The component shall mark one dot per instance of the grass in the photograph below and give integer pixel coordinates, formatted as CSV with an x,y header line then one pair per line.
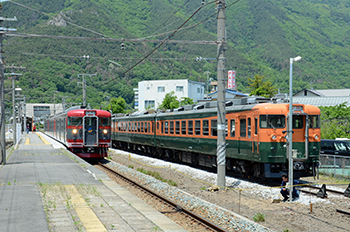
x,y
259,217
157,176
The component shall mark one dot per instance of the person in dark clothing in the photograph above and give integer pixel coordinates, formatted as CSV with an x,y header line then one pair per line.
x,y
285,189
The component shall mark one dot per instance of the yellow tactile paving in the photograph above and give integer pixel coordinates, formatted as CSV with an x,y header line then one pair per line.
x,y
27,141
87,216
42,138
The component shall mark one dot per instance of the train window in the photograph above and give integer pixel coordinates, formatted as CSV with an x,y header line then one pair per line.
x,y
146,127
162,128
190,127
205,127
75,121
171,127
166,127
297,122
130,129
104,121
226,128
183,127
272,121
233,128
138,127
243,127
249,127
214,130
314,121
157,125
177,127
197,127
141,126
256,125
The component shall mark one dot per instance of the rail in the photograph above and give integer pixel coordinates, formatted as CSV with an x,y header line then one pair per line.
x,y
178,208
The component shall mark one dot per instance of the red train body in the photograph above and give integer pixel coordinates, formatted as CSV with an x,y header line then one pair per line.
x,y
85,132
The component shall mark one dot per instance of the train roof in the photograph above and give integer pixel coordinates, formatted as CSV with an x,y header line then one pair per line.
x,y
277,105
83,112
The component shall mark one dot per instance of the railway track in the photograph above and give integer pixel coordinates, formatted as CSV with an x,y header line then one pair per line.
x,y
185,218
319,188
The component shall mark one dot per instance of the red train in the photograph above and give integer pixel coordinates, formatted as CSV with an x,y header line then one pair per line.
x,y
85,132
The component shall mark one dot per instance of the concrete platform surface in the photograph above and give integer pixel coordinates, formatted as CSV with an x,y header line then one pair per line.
x,y
44,187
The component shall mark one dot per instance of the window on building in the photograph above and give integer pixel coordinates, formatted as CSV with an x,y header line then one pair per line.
x,y
177,127
149,104
161,89
205,127
197,127
190,127
183,127
148,88
243,127
179,88
198,90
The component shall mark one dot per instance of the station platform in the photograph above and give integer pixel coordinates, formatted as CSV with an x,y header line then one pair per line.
x,y
44,187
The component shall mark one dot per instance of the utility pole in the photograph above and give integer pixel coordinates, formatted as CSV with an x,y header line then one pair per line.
x,y
54,102
14,121
221,114
84,85
3,31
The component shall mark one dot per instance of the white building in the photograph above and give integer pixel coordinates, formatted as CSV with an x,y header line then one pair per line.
x,y
150,94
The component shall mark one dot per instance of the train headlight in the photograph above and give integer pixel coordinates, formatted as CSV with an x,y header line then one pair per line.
x,y
105,131
75,131
273,137
316,136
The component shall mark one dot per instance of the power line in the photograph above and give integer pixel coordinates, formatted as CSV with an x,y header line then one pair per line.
x,y
108,39
158,46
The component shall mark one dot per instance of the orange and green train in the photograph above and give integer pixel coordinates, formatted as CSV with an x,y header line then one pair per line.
x,y
256,138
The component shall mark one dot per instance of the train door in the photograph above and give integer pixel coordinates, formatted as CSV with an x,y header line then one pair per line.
x,y
90,127
255,145
299,129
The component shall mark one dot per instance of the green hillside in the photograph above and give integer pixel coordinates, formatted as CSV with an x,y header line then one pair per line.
x,y
261,35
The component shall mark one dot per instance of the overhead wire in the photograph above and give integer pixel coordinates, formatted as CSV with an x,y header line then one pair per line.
x,y
162,24
159,45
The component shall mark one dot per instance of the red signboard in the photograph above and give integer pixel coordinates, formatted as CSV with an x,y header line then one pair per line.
x,y
231,79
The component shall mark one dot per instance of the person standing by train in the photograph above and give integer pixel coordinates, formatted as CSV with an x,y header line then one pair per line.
x,y
27,128
285,189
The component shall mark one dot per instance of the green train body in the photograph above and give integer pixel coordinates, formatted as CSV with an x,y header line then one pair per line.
x,y
256,142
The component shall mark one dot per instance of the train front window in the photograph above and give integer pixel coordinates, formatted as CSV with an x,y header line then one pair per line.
x,y
298,122
272,121
104,121
314,121
75,121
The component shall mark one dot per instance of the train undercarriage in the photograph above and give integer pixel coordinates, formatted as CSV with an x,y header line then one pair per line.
x,y
243,167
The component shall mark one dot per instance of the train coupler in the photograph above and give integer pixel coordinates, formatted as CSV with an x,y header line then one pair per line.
x,y
347,191
322,192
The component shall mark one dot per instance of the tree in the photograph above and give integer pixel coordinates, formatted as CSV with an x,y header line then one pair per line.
x,y
260,88
186,101
169,102
117,105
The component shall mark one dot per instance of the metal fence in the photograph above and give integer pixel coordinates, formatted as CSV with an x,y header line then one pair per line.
x,y
335,165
